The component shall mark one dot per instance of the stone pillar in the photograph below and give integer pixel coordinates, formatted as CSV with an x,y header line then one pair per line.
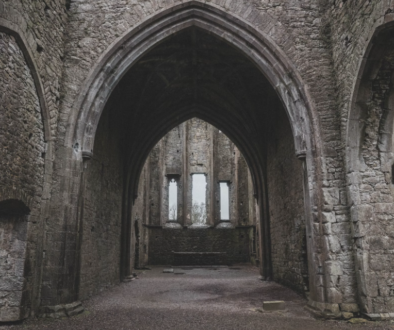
x,y
211,176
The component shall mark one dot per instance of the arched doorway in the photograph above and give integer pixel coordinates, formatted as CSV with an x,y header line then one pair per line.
x,y
194,73
370,171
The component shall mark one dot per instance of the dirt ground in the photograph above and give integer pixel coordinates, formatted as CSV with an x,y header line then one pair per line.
x,y
194,298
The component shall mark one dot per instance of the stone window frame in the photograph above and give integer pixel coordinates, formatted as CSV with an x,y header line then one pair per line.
x,y
176,178
207,193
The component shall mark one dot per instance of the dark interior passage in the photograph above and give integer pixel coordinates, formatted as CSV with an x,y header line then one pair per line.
x,y
193,106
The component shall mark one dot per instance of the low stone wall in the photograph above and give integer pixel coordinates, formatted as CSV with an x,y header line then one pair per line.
x,y
206,246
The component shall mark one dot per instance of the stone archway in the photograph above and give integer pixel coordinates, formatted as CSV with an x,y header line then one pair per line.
x,y
260,51
370,170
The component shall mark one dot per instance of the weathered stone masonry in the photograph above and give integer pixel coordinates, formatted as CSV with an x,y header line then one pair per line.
x,y
22,168
89,88
211,152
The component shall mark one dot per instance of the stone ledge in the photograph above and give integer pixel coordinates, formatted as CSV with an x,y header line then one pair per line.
x,y
380,316
60,311
198,253
271,306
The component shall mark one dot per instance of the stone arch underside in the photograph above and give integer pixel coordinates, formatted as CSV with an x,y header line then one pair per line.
x,y
369,166
254,45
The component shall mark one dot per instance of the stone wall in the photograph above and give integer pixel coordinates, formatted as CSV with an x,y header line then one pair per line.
x,y
14,297
229,246
286,209
38,27
195,147
102,212
140,235
363,94
22,154
295,27
324,42
21,128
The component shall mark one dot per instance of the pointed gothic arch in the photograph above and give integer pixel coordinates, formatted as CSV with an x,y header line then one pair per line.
x,y
257,47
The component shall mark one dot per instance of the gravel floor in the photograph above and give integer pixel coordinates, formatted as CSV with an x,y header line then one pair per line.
x,y
200,298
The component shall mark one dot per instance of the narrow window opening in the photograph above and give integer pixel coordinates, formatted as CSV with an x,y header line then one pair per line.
x,y
224,201
199,214
173,201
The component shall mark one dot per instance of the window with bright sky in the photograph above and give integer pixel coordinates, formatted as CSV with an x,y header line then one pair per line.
x,y
224,201
199,199
173,200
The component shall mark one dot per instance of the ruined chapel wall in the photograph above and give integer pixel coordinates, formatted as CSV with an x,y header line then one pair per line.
x,y
140,219
207,151
39,29
286,210
370,198
21,177
173,149
21,128
224,160
102,212
155,185
42,24
294,26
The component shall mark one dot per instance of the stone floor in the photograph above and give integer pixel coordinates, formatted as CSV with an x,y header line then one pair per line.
x,y
194,298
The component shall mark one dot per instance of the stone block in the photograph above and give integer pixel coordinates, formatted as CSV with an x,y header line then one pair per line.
x,y
10,314
73,305
327,229
333,243
334,296
334,268
168,270
373,316
341,228
384,208
347,315
357,321
271,306
75,311
331,196
349,307
328,217
361,213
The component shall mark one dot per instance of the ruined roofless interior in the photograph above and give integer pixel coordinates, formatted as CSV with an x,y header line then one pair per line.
x,y
167,132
